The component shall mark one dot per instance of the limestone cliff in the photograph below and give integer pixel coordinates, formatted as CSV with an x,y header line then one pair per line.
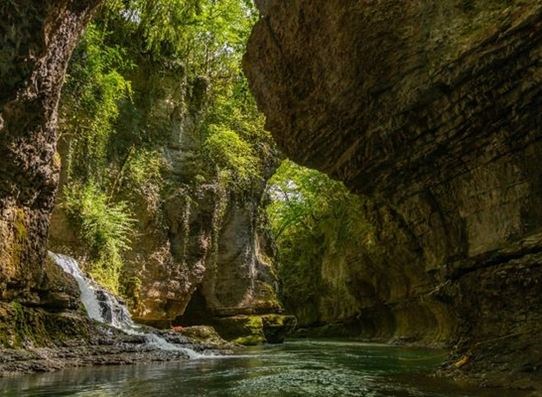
x,y
37,38
212,236
433,110
379,290
199,243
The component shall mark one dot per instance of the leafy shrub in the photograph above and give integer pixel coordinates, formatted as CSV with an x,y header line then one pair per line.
x,y
144,167
94,89
105,227
228,151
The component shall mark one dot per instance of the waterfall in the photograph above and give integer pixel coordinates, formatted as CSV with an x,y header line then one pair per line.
x,y
106,308
88,297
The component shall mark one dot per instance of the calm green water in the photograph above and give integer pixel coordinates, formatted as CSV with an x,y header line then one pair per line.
x,y
304,368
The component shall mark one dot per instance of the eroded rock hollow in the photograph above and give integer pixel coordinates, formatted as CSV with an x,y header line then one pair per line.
x,y
432,110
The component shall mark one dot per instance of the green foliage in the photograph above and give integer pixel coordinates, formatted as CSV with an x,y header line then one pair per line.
x,y
208,35
230,152
142,69
95,86
308,201
143,171
105,227
312,217
202,41
90,108
236,143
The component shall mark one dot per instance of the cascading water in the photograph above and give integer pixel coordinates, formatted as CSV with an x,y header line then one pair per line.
x,y
88,297
105,307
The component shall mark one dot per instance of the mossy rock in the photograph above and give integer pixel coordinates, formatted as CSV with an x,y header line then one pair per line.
x,y
255,329
277,326
243,330
202,334
251,340
22,326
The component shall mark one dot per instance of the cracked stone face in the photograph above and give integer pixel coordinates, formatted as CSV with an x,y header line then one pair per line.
x,y
37,38
432,111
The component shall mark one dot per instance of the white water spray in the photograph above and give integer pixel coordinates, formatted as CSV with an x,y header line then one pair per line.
x,y
105,307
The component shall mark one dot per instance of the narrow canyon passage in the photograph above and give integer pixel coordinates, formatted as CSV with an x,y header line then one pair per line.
x,y
158,150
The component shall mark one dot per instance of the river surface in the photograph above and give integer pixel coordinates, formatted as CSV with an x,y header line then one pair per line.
x,y
296,368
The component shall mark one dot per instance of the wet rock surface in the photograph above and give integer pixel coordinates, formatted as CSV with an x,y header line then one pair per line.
x,y
255,329
108,346
432,111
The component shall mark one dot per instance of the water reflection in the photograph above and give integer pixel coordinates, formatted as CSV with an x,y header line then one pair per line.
x,y
304,368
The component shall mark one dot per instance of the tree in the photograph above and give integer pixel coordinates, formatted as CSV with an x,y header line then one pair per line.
x,y
312,216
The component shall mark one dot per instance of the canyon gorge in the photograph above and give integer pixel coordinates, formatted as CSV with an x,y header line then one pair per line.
x,y
428,112
432,111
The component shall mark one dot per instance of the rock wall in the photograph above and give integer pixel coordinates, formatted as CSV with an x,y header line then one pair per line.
x,y
204,236
37,38
380,291
433,110
241,278
219,255
194,236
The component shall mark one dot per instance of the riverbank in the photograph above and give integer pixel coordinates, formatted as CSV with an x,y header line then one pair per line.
x,y
295,368
111,347
459,364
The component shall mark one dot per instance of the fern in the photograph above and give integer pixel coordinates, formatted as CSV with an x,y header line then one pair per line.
x,y
105,227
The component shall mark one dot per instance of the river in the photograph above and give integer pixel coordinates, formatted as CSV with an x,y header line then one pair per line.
x,y
296,368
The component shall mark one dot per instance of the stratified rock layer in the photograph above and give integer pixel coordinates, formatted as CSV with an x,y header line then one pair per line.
x,y
433,110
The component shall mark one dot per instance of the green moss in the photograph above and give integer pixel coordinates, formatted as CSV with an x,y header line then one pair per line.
x,y
20,234
203,334
254,322
251,340
241,329
20,225
21,326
